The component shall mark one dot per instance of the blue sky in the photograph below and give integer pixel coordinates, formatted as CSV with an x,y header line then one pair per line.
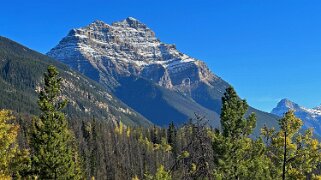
x,y
267,49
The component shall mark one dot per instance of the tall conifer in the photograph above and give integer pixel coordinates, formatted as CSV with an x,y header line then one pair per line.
x,y
54,154
236,155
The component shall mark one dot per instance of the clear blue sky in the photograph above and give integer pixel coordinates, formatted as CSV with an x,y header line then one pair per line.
x,y
267,49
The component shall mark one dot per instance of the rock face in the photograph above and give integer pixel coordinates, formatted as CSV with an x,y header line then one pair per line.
x,y
106,52
310,117
129,59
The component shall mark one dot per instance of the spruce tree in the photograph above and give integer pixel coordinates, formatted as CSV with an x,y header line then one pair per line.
x,y
54,154
171,137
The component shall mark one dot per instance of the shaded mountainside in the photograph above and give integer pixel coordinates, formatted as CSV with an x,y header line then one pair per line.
x,y
152,77
310,117
21,74
158,103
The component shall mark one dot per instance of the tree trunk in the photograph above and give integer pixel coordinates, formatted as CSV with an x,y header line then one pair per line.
x,y
284,156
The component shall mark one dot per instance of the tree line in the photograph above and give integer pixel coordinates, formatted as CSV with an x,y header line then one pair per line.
x,y
50,147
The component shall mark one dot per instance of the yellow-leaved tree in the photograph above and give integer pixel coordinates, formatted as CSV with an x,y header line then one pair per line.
x,y
8,146
13,162
295,155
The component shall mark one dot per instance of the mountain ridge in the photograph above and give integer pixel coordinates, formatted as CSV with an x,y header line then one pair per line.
x,y
132,48
311,117
21,72
118,54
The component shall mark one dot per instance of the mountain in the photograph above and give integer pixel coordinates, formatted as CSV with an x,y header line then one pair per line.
x,y
21,74
310,117
152,77
106,52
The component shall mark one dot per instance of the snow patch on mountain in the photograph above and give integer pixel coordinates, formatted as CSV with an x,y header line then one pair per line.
x,y
128,47
310,117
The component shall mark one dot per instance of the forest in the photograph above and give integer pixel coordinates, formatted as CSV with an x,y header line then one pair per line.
x,y
51,146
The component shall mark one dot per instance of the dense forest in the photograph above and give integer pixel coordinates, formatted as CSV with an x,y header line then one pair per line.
x,y
50,146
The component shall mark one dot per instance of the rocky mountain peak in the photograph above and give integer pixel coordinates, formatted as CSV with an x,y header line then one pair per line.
x,y
129,47
310,117
98,22
130,22
318,108
288,104
284,106
152,77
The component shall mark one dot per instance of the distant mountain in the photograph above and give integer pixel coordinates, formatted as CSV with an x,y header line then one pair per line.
x,y
310,117
152,77
21,74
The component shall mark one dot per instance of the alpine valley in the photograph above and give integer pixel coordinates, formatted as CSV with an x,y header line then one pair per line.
x,y
113,102
152,77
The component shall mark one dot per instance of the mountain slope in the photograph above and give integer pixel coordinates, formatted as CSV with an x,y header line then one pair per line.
x,y
127,55
159,104
21,73
310,117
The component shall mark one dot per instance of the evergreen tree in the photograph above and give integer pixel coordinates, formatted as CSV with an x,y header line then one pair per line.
x,y
93,148
232,116
54,153
235,154
171,137
154,135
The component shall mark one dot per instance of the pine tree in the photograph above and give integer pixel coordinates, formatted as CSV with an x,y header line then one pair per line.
x,y
235,154
232,116
54,153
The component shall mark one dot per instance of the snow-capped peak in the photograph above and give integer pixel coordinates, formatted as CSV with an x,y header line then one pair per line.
x,y
97,21
288,104
130,22
285,105
129,47
318,108
128,40
310,117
